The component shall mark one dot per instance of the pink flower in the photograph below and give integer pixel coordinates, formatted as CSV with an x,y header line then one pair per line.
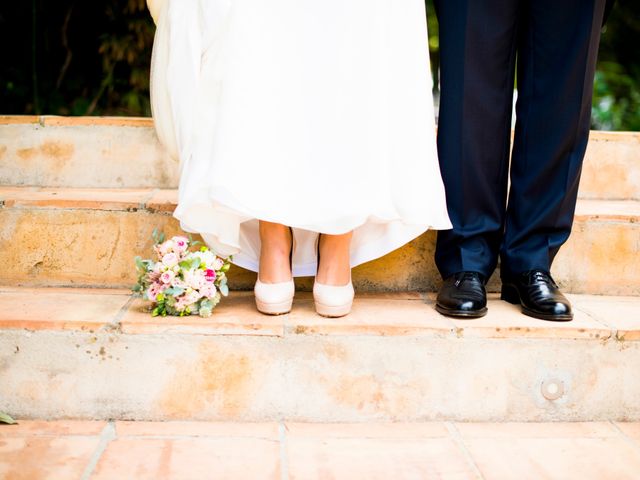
x,y
170,259
180,244
209,290
210,275
167,277
153,291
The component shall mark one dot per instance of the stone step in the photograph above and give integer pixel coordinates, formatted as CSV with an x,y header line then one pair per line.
x,y
97,354
113,152
96,450
100,152
88,237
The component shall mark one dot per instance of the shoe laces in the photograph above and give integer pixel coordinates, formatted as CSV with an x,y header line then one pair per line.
x,y
464,276
540,276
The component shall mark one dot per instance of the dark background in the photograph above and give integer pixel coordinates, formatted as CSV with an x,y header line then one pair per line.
x,y
91,57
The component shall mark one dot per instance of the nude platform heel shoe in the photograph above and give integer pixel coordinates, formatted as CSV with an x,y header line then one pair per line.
x,y
333,300
276,298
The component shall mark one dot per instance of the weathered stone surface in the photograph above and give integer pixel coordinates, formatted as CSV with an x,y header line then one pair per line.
x,y
111,152
611,168
90,237
83,152
380,363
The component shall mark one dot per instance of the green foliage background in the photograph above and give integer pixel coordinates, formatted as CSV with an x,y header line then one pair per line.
x,y
73,57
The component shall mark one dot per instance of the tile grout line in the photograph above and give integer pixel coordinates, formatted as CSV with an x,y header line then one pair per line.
x,y
144,203
612,329
626,438
115,321
106,436
459,442
284,455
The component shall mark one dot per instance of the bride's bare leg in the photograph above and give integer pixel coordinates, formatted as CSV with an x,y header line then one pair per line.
x,y
274,252
334,268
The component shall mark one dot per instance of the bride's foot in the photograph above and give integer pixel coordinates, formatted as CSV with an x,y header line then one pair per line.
x,y
274,289
333,291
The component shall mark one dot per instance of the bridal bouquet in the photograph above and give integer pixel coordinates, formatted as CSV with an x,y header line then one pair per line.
x,y
182,282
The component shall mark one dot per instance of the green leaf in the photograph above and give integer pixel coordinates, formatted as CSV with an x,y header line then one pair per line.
x,y
6,418
224,289
158,237
206,304
175,291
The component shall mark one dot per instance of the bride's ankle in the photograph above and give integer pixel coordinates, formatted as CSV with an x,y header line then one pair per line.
x,y
334,267
275,252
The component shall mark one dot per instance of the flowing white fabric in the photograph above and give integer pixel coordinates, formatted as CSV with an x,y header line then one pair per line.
x,y
316,115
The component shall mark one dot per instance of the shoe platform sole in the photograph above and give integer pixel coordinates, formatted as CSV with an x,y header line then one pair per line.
x,y
274,308
333,311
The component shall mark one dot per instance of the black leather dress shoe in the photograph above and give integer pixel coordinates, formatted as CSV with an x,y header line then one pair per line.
x,y
463,295
538,295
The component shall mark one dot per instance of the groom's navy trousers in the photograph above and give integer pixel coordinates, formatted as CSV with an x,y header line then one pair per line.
x,y
552,44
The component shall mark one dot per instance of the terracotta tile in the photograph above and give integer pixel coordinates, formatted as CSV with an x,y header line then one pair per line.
x,y
198,429
350,459
61,309
235,315
561,458
371,315
164,200
81,198
189,458
367,430
621,313
52,120
536,430
506,321
31,458
631,429
18,119
28,428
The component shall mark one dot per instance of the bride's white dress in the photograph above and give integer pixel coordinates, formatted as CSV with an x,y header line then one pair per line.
x,y
313,114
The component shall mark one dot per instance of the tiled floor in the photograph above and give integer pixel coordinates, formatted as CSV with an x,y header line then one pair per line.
x,y
36,450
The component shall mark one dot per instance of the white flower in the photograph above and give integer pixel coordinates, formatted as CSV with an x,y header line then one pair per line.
x,y
195,278
205,257
170,259
217,263
192,297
